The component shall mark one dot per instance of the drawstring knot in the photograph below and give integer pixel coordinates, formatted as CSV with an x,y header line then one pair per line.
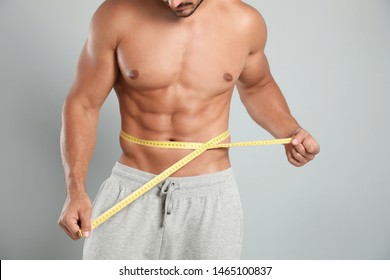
x,y
167,189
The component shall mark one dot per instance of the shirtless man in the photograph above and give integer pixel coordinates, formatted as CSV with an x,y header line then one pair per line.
x,y
173,65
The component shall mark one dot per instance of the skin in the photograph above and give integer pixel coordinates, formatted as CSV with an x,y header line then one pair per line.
x,y
173,65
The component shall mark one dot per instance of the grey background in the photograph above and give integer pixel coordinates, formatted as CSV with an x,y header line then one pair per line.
x,y
330,58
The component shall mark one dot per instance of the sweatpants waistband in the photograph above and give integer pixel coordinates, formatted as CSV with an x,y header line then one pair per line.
x,y
205,183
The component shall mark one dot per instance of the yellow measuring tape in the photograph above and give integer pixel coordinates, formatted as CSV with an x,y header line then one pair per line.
x,y
199,148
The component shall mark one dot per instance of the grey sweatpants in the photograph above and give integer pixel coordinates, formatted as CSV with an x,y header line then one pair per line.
x,y
197,217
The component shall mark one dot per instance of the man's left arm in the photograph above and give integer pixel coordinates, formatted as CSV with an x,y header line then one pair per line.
x,y
266,104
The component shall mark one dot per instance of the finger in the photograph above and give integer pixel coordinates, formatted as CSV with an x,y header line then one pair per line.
x,y
74,228
62,224
292,160
298,157
298,138
300,149
85,219
308,147
68,232
311,146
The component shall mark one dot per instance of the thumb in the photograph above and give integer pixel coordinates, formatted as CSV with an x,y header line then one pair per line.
x,y
298,137
85,220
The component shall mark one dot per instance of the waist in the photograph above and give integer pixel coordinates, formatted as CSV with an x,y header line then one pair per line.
x,y
127,173
153,156
130,179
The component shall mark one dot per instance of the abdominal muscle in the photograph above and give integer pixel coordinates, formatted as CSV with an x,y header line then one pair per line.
x,y
168,116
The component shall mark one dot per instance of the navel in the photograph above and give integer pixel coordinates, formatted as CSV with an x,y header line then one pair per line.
x,y
133,74
228,77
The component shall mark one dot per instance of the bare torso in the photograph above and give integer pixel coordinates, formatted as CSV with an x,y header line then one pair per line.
x,y
175,80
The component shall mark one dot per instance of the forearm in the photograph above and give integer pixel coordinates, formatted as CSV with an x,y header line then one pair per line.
x,y
78,138
267,107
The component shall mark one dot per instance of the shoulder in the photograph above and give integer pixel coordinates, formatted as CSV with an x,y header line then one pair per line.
x,y
111,17
111,12
251,23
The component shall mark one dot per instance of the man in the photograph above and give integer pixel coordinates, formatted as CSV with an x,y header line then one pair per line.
x,y
173,65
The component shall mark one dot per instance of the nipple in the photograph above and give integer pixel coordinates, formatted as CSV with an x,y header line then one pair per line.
x,y
228,77
133,74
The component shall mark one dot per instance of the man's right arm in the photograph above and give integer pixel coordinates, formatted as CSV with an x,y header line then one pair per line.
x,y
95,76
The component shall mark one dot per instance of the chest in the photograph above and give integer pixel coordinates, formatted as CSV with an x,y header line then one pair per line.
x,y
200,58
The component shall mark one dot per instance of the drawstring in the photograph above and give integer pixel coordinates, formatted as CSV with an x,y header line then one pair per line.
x,y
167,189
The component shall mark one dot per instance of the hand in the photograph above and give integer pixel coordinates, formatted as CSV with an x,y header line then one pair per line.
x,y
76,215
303,148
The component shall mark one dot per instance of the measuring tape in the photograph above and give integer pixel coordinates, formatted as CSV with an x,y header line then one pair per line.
x,y
199,148
195,145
